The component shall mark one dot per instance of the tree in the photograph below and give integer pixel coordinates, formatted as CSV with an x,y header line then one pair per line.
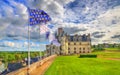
x,y
18,57
11,57
119,46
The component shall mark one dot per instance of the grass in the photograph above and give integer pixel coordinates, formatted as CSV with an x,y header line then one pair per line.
x,y
72,65
112,49
108,54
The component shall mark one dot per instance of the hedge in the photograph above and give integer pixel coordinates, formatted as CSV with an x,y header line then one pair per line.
x,y
88,56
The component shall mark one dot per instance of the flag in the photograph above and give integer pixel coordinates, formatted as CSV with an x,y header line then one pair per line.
x,y
55,42
50,26
38,16
47,34
44,29
51,37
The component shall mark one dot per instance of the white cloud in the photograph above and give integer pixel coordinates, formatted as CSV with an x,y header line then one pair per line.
x,y
7,44
104,23
14,23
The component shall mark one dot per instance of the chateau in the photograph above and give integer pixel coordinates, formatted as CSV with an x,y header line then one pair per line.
x,y
70,44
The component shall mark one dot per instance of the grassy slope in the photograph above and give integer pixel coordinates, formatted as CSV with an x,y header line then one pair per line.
x,y
72,65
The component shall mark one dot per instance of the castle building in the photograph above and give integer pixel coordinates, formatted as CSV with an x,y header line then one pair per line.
x,y
71,44
52,49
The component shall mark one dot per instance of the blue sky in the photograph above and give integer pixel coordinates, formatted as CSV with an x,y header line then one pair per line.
x,y
101,18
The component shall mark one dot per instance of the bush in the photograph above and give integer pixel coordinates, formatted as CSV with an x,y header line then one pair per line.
x,y
88,56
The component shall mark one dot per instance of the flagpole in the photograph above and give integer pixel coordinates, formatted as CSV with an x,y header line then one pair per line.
x,y
40,45
28,73
33,20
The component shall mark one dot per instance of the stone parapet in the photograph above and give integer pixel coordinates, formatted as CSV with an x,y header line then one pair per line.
x,y
24,71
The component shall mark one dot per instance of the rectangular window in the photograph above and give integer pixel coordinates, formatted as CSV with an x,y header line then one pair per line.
x,y
80,43
83,51
74,48
75,51
80,48
68,48
74,43
68,51
79,51
77,39
68,43
47,45
83,48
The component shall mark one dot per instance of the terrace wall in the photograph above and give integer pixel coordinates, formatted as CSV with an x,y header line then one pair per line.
x,y
24,71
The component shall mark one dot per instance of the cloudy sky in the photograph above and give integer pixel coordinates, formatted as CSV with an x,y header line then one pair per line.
x,y
100,18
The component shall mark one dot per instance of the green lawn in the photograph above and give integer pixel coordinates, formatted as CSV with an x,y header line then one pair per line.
x,y
112,49
108,54
72,65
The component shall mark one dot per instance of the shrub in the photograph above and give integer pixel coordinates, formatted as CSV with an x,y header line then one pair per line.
x,y
88,56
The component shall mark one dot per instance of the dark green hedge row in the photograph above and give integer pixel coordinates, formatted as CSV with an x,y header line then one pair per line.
x,y
88,56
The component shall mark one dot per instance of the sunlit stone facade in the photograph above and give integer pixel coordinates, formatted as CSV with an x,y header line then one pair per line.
x,y
72,44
